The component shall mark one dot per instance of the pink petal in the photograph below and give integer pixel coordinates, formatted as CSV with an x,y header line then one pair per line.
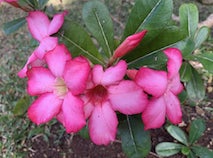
x,y
57,58
175,85
97,74
38,24
154,114
112,75
47,44
127,98
88,106
129,44
174,61
131,73
76,74
56,23
44,108
40,80
153,82
72,113
173,108
23,71
103,124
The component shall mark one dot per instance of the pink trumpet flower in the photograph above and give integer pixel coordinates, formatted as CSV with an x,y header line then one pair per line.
x,y
129,44
106,93
58,88
41,29
164,88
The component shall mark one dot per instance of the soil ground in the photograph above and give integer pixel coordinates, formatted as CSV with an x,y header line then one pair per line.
x,y
69,146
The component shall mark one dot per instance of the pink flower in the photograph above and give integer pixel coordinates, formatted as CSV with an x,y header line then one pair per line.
x,y
106,93
41,29
129,44
8,1
58,88
164,87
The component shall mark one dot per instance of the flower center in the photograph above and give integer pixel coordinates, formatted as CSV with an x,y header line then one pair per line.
x,y
98,94
60,88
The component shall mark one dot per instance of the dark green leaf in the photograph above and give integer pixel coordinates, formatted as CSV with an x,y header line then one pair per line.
x,y
168,148
136,142
98,21
150,15
202,152
189,18
178,134
21,106
207,61
201,36
79,42
195,87
13,25
154,60
191,155
84,132
185,72
197,128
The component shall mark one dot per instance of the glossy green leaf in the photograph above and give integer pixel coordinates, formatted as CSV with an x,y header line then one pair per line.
x,y
197,128
185,72
154,60
79,42
189,18
177,133
195,87
207,60
136,141
187,46
21,106
151,15
13,25
201,36
202,152
168,148
98,21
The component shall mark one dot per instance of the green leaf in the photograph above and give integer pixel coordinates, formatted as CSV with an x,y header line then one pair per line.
x,y
187,46
151,15
168,148
202,152
207,61
13,25
177,133
197,128
154,60
136,141
191,155
185,150
84,132
42,3
195,87
186,72
98,21
21,106
79,42
189,18
201,36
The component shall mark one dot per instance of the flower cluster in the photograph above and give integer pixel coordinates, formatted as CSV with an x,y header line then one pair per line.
x,y
78,93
